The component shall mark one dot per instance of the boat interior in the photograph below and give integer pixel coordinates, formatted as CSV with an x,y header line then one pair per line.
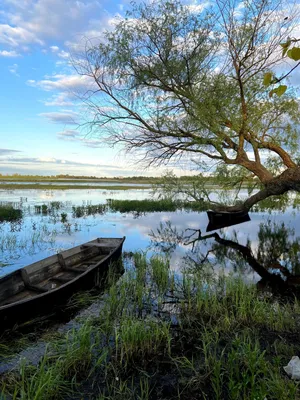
x,y
52,272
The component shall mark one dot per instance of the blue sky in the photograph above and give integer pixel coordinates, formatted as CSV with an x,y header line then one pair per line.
x,y
38,113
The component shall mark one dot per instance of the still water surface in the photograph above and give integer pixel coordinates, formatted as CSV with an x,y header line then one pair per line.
x,y
275,243
73,183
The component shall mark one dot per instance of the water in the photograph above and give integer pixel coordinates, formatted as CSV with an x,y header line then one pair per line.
x,y
38,236
273,237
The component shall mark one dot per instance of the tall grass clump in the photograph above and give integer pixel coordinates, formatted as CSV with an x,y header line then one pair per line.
x,y
9,213
160,269
136,339
151,205
75,351
44,382
81,211
147,205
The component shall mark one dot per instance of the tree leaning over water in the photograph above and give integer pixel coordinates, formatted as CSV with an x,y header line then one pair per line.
x,y
173,80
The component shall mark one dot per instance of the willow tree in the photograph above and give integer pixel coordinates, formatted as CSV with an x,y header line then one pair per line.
x,y
173,80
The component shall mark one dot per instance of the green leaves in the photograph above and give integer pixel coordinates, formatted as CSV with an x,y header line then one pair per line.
x,y
280,90
285,46
268,78
294,53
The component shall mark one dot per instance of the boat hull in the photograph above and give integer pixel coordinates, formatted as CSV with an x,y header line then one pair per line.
x,y
218,220
25,310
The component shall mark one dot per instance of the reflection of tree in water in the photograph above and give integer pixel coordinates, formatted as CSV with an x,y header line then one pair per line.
x,y
276,250
275,257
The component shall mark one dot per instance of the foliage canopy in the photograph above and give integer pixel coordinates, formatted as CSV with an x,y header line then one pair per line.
x,y
172,81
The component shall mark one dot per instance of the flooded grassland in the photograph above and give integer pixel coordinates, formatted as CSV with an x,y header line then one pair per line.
x,y
187,320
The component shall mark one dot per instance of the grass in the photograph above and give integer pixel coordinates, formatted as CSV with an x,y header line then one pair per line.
x,y
139,338
81,211
9,213
150,205
11,241
163,336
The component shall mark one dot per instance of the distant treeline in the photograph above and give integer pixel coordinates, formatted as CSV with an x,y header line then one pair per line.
x,y
146,179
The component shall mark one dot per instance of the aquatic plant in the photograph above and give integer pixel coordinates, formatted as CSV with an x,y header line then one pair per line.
x,y
151,205
9,213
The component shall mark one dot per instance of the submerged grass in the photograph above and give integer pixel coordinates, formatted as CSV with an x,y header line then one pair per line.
x,y
9,213
162,336
151,205
81,211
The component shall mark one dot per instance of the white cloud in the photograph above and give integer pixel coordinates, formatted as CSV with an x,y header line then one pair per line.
x,y
47,159
14,69
63,54
54,49
16,36
59,100
11,53
63,82
198,8
28,22
56,161
66,117
68,133
67,86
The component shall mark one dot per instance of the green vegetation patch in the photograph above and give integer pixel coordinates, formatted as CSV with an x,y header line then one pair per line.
x,y
163,336
142,206
8,213
81,211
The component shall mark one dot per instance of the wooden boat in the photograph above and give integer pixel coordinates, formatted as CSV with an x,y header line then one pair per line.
x,y
37,288
222,219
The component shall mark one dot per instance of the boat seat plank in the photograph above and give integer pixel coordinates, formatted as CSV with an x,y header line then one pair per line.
x,y
36,288
101,245
62,279
76,270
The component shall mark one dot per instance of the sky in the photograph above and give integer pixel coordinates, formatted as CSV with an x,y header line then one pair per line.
x,y
38,129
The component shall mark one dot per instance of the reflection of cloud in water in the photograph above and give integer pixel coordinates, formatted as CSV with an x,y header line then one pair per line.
x,y
136,230
76,196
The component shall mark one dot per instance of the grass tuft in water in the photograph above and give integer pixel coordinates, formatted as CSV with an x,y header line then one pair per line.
x,y
151,205
9,213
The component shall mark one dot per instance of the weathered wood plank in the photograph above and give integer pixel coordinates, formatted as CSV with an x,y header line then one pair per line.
x,y
37,288
62,279
101,245
11,285
76,270
61,260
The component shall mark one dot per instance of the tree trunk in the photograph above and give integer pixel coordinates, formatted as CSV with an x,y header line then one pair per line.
x,y
287,180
